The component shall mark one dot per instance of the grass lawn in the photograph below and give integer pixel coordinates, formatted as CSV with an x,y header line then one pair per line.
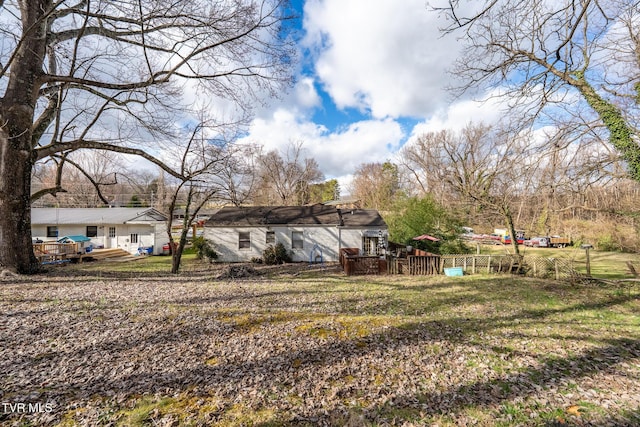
x,y
131,345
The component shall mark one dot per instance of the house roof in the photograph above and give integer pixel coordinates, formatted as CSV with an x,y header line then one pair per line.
x,y
274,215
362,218
294,215
94,216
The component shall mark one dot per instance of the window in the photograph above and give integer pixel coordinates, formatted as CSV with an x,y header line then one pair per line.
x,y
112,232
297,240
373,245
92,231
52,231
244,240
134,238
271,238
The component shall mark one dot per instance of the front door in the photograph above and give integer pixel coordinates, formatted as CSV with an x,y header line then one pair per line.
x,y
112,240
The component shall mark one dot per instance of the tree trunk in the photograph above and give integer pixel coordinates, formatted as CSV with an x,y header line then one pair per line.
x,y
16,162
17,157
512,231
176,256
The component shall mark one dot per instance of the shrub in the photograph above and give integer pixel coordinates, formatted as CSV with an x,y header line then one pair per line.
x,y
607,243
276,254
204,249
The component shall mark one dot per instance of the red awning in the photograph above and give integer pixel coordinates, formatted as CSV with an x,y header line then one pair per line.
x,y
427,237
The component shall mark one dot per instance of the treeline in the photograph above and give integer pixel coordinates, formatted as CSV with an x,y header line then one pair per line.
x,y
480,176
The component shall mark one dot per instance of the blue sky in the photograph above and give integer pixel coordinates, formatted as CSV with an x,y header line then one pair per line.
x,y
372,76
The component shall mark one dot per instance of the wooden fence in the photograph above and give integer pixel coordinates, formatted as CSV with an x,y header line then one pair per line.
x,y
352,263
473,264
556,268
364,265
431,264
414,265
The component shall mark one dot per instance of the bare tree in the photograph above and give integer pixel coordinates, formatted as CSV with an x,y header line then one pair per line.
x,y
104,75
236,177
78,179
284,177
547,54
211,171
375,185
478,165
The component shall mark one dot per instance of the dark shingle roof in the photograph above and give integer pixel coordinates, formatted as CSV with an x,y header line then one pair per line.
x,y
294,215
274,215
362,218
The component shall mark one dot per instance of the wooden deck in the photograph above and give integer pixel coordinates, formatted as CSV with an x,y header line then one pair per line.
x,y
422,264
56,253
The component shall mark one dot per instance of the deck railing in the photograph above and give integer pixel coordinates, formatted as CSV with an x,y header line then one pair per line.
x,y
54,252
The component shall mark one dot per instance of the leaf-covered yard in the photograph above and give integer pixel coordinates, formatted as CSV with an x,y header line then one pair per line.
x,y
300,346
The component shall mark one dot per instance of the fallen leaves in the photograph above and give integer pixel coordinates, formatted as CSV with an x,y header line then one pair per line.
x,y
180,350
574,410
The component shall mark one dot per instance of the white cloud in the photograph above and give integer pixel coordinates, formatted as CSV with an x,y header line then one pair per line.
x,y
306,94
338,153
379,56
459,115
387,60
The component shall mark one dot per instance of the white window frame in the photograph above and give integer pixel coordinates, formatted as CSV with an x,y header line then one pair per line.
x,y
270,238
244,240
297,243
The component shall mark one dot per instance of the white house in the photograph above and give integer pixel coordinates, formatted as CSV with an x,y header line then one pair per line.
x,y
126,228
309,232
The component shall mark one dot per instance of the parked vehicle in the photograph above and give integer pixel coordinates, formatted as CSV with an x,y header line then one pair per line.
x,y
548,242
506,239
560,242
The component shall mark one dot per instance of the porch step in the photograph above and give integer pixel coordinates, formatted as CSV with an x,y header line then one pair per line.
x,y
108,253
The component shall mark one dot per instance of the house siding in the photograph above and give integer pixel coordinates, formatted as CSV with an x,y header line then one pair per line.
x,y
147,223
148,235
226,242
325,230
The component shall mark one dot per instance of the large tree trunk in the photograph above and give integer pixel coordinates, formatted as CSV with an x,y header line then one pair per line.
x,y
17,156
16,250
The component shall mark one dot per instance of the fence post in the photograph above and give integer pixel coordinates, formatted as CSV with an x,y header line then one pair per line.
x,y
489,265
473,265
535,269
555,262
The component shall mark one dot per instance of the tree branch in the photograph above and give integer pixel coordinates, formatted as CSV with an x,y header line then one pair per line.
x,y
52,149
